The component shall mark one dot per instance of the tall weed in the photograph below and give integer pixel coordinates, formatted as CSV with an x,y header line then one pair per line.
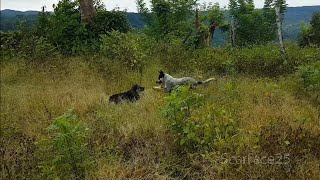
x,y
65,152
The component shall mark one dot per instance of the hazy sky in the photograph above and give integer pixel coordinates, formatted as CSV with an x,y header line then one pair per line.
x,y
130,5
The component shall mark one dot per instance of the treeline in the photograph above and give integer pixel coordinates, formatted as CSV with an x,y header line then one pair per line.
x,y
176,33
167,22
294,17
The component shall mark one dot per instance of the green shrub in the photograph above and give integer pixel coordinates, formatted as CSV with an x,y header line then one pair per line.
x,y
66,31
123,48
65,152
214,61
259,60
175,57
180,104
301,56
217,129
107,21
308,79
310,34
10,44
37,50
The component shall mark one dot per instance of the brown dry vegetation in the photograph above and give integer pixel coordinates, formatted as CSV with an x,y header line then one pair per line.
x,y
133,141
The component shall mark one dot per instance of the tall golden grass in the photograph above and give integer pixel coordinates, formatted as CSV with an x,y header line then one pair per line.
x,y
133,140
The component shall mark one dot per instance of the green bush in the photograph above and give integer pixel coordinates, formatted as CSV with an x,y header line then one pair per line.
x,y
180,104
65,152
70,36
217,129
65,29
107,21
175,57
10,43
37,50
310,34
308,79
259,60
124,48
214,61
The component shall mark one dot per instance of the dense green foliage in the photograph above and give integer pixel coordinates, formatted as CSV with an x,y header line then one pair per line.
x,y
310,35
69,155
215,131
293,18
167,18
125,48
308,80
64,31
107,21
246,18
258,60
36,50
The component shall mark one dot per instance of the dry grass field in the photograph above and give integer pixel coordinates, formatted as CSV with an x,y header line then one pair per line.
x,y
135,141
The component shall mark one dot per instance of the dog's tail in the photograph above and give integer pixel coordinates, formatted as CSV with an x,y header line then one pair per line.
x,y
206,81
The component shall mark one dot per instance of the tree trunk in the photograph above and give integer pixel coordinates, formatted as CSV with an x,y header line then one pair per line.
x,y
87,11
212,30
197,24
197,21
282,47
232,33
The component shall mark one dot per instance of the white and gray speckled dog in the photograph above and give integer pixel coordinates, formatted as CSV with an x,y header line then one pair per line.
x,y
168,82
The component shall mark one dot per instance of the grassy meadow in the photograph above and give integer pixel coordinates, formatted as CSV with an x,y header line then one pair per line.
x,y
263,127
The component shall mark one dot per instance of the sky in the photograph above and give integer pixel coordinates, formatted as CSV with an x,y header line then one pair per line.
x,y
129,5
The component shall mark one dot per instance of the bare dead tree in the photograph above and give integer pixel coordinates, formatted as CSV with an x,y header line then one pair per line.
x,y
279,23
87,11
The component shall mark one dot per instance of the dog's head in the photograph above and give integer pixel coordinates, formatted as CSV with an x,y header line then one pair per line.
x,y
160,77
137,88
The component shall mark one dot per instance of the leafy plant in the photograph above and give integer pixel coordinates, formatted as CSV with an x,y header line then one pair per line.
x,y
10,43
217,129
247,18
124,48
180,104
37,50
310,34
107,21
308,78
67,145
167,18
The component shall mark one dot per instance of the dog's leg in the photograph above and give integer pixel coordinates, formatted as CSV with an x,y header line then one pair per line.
x,y
158,88
193,86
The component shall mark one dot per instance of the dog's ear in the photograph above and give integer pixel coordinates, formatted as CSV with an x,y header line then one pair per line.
x,y
161,72
134,86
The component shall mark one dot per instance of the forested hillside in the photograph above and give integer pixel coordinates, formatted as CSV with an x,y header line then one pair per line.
x,y
292,23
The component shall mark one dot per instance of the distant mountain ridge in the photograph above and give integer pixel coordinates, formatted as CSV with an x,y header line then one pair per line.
x,y
8,13
293,19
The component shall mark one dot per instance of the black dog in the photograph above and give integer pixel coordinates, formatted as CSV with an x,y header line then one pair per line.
x,y
131,95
